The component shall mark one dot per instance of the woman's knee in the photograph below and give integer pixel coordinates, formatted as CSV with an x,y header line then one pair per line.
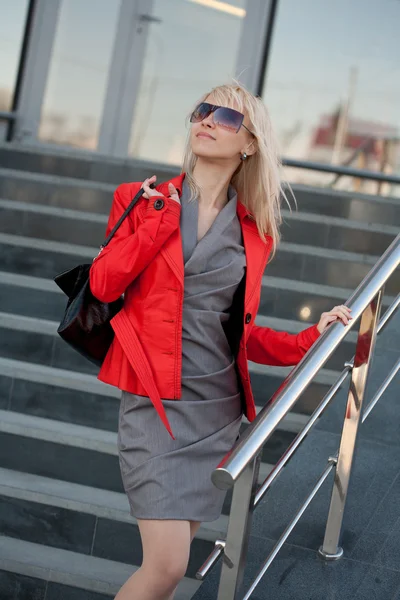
x,y
166,549
166,572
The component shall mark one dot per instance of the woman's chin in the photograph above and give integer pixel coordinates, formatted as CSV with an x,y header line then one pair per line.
x,y
204,153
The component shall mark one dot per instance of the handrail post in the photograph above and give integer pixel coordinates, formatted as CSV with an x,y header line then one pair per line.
x,y
237,539
330,550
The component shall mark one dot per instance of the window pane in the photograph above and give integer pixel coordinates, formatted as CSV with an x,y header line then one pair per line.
x,y
12,27
192,48
333,85
78,75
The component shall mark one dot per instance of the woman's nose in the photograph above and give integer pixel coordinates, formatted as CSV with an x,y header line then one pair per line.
x,y
209,121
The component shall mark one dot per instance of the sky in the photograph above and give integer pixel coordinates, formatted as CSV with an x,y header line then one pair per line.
x,y
315,45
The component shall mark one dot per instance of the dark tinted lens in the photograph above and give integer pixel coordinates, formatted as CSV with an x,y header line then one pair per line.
x,y
201,112
228,118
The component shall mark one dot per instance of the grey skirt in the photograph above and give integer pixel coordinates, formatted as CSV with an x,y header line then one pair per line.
x,y
171,479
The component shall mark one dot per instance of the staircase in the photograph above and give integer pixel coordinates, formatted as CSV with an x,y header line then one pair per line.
x,y
65,523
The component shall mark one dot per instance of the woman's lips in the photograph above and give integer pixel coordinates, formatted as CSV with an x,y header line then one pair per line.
x,y
205,135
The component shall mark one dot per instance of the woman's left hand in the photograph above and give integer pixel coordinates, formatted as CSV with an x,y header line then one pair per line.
x,y
341,313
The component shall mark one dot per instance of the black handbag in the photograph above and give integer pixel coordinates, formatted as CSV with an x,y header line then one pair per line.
x,y
86,323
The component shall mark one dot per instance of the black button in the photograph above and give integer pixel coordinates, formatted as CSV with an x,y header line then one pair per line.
x,y
248,318
158,204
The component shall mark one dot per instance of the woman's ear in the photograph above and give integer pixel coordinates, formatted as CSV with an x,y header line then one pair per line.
x,y
251,148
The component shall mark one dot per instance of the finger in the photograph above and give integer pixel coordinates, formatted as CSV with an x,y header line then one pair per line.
x,y
331,318
346,309
148,181
147,189
173,192
172,189
342,314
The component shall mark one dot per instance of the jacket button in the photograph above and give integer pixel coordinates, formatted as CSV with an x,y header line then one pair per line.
x,y
158,204
248,318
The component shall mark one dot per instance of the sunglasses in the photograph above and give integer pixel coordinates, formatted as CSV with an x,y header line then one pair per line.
x,y
228,118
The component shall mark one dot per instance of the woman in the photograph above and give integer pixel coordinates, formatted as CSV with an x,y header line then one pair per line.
x,y
190,260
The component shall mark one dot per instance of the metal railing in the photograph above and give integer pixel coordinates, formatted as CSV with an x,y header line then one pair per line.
x,y
342,171
240,467
7,116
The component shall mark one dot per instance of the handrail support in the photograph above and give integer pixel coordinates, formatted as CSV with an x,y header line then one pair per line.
x,y
330,549
237,538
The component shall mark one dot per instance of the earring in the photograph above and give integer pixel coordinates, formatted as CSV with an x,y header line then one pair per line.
x,y
243,156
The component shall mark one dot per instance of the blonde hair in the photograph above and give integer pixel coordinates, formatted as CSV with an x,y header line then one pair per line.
x,y
256,180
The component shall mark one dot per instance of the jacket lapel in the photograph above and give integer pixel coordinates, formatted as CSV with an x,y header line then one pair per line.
x,y
256,250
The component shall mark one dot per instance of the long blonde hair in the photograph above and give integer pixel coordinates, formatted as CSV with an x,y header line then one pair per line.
x,y
256,180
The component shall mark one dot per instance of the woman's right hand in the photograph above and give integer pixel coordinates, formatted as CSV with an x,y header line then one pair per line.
x,y
149,192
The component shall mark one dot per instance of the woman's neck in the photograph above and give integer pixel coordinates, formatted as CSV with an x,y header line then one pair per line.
x,y
213,180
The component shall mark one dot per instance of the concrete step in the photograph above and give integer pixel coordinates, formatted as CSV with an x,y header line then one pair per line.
x,y
81,519
80,398
59,399
84,191
43,258
348,205
92,167
33,570
36,340
83,455
84,500
280,297
60,450
80,227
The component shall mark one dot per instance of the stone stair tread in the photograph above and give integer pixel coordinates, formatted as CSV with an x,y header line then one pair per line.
x,y
56,211
58,432
56,179
306,287
93,184
91,252
309,217
87,499
47,326
87,216
29,371
72,568
37,372
309,287
89,383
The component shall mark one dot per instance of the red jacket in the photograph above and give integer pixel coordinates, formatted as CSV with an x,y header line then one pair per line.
x,y
144,261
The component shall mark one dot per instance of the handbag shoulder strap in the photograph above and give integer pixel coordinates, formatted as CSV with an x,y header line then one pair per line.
x,y
123,217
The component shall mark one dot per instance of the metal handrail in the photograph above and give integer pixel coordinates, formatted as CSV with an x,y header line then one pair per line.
x,y
238,464
7,116
300,437
255,437
340,170
332,462
365,144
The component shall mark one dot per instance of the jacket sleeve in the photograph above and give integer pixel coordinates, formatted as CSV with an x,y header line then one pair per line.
x,y
279,348
128,253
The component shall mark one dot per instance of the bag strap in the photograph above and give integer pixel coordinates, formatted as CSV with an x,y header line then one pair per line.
x,y
123,216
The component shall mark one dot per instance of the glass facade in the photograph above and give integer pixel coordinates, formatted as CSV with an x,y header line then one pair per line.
x,y
12,26
78,74
331,75
191,46
333,85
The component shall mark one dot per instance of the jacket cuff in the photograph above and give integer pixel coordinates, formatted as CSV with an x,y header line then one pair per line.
x,y
313,333
161,204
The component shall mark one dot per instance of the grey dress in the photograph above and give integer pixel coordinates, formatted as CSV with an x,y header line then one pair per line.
x,y
171,479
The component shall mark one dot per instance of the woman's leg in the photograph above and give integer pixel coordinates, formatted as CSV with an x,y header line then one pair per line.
x,y
194,525
166,548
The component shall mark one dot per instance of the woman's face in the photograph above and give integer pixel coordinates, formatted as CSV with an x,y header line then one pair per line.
x,y
209,140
